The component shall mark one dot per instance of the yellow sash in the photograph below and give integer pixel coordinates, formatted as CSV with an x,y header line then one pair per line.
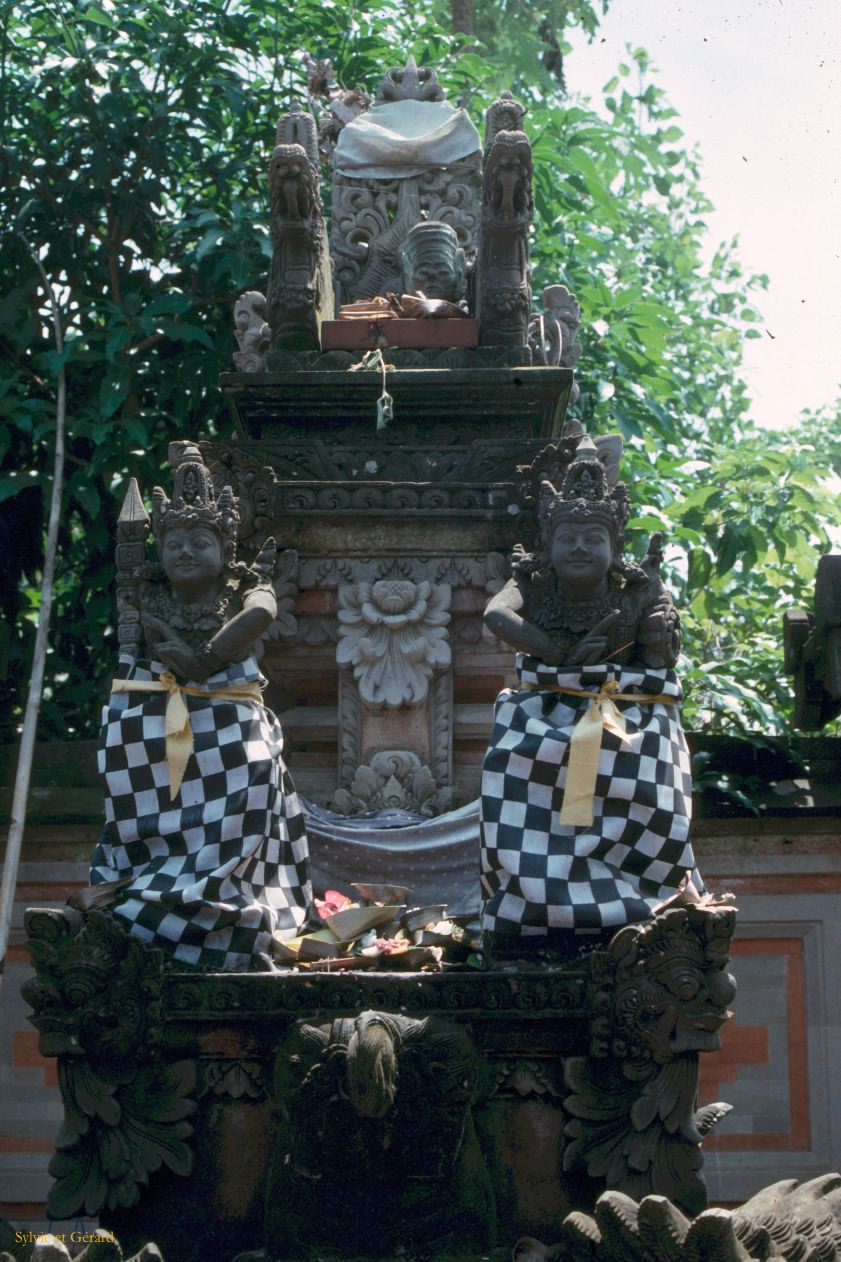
x,y
179,734
586,742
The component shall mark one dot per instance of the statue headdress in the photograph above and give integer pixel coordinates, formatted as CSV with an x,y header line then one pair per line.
x,y
193,502
431,236
585,494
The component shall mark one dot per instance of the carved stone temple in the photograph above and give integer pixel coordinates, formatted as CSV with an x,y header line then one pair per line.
x,y
396,443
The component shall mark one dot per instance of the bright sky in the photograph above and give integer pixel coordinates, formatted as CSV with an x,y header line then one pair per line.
x,y
758,87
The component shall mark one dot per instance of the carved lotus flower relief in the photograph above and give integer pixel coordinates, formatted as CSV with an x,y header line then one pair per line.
x,y
394,634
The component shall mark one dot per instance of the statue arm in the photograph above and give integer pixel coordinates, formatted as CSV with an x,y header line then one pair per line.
x,y
256,616
504,618
230,641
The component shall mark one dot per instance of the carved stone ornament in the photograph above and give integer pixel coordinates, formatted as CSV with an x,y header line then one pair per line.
x,y
235,1079
254,485
812,650
393,780
96,1004
300,291
377,1152
502,288
786,1222
252,332
393,633
375,205
552,331
660,995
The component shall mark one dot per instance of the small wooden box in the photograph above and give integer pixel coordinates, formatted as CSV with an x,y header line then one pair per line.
x,y
366,335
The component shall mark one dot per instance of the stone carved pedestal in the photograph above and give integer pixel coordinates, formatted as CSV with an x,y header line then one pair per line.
x,y
520,1096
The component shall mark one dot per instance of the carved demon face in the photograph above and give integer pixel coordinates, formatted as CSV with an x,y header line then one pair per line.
x,y
674,999
292,183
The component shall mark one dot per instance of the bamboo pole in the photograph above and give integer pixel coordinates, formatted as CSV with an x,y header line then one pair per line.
x,y
36,683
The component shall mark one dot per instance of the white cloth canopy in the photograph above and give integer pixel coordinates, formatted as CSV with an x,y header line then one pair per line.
x,y
404,138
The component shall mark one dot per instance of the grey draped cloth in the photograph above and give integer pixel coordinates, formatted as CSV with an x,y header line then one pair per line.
x,y
437,858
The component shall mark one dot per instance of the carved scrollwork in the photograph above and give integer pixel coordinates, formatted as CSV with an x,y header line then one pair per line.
x,y
393,633
254,484
659,997
96,1003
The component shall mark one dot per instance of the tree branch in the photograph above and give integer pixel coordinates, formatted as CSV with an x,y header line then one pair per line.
x,y
36,683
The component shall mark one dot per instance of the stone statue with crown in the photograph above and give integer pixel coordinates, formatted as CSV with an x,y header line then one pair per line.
x,y
586,785
204,850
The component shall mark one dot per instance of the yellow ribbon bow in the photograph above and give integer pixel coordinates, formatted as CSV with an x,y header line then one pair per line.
x,y
179,734
586,743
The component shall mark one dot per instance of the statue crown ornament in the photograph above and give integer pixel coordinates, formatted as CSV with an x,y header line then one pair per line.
x,y
193,501
586,495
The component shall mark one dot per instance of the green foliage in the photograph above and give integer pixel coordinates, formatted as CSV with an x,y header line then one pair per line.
x,y
134,150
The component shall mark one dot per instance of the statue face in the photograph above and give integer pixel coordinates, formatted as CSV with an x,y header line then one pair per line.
x,y
581,553
192,559
437,278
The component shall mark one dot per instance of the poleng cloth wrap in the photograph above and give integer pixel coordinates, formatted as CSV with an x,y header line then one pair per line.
x,y
179,734
541,873
586,742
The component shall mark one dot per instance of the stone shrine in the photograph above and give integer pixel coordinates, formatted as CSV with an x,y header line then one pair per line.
x,y
377,495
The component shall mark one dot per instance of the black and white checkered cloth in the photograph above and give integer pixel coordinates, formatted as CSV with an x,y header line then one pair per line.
x,y
539,875
220,869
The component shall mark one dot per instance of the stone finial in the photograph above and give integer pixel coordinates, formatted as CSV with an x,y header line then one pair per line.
x,y
411,83
299,128
505,114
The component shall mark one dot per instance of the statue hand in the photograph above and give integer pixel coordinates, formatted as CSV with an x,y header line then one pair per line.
x,y
170,650
156,630
592,647
659,635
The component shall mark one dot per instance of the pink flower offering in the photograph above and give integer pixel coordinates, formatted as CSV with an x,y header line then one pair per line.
x,y
332,902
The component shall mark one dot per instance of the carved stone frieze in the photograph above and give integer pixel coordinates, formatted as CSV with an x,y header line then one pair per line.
x,y
393,780
441,737
350,728
393,634
371,219
659,995
337,497
96,1004
372,213
247,997
483,461
486,573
